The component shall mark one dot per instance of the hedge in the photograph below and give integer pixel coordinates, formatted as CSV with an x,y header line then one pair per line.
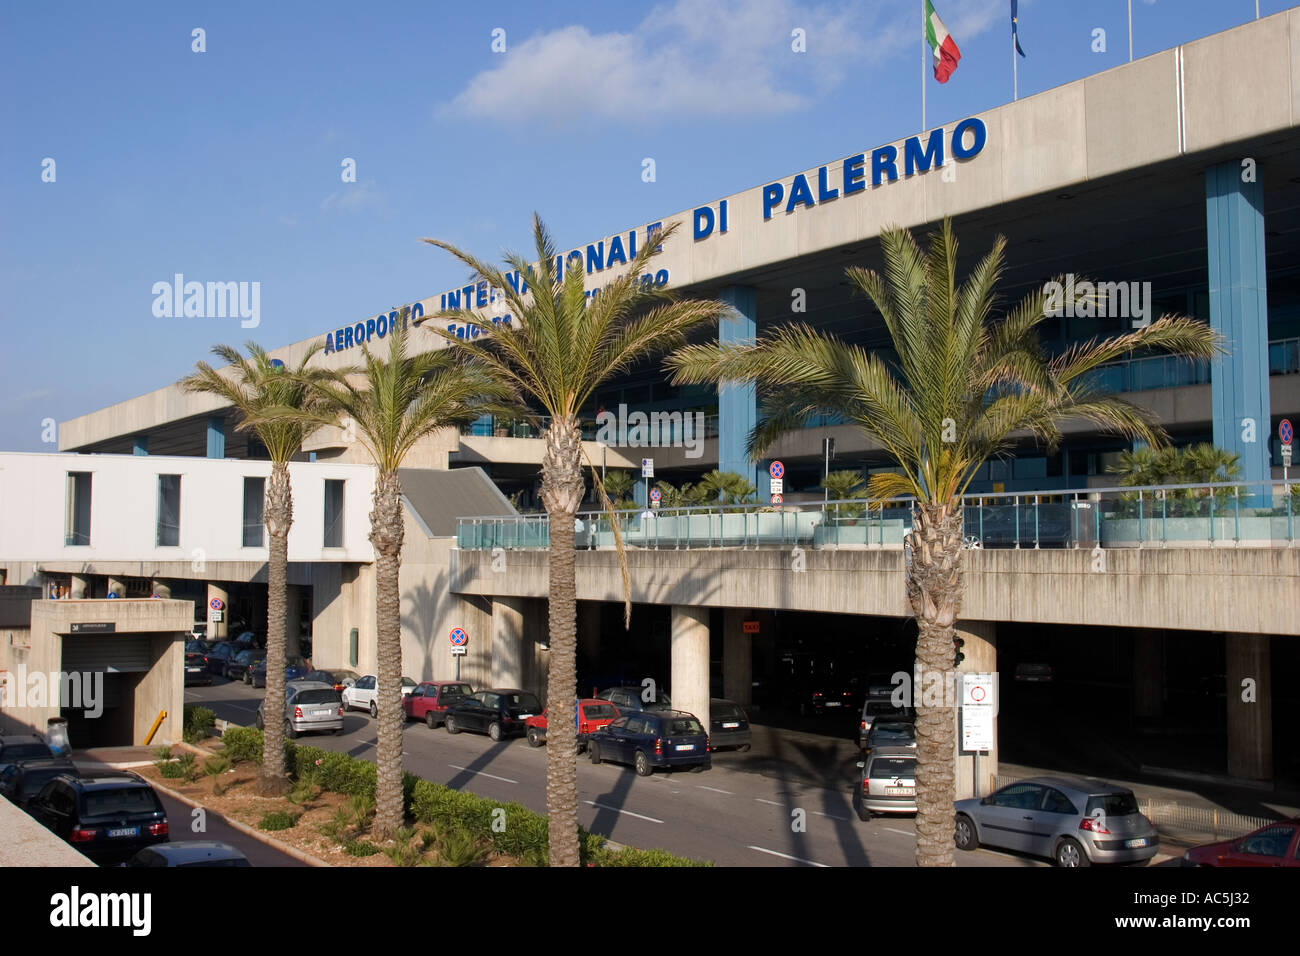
x,y
523,836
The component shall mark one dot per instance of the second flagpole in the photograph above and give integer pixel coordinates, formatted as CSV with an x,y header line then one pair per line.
x,y
924,58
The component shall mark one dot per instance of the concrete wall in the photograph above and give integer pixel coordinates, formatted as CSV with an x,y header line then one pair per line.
x,y
1230,589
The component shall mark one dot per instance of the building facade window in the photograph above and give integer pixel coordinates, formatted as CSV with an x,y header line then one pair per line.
x,y
77,514
169,511
254,501
333,513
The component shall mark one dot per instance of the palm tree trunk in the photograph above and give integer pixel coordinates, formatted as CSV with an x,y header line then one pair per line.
x,y
273,779
934,590
386,534
562,491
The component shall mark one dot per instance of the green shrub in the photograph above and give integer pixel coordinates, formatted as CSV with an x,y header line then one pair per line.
x,y
405,851
630,856
163,754
336,771
188,765
170,770
242,743
197,722
457,846
360,848
305,789
278,820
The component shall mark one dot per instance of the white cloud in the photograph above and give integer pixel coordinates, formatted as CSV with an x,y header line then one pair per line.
x,y
693,58
362,195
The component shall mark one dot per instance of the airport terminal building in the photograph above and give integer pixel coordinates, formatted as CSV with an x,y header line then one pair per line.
x,y
1172,181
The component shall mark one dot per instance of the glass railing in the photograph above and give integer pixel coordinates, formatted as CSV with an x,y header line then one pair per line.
x,y
1256,514
669,428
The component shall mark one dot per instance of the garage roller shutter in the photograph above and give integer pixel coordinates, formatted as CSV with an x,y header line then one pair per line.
x,y
111,654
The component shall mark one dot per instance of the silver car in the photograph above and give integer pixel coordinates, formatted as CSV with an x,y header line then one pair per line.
x,y
888,782
308,706
1074,821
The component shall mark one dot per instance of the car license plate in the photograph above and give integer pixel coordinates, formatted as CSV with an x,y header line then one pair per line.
x,y
729,724
900,791
524,716
193,670
832,703
322,713
1131,844
686,746
124,832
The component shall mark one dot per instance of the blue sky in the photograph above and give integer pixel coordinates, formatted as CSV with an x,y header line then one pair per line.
x,y
225,165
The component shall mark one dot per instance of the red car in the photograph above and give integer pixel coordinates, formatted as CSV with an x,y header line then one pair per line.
x,y
592,714
1277,844
430,700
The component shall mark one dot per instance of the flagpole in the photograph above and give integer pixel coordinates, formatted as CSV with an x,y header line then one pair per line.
x,y
1130,31
924,57
1015,68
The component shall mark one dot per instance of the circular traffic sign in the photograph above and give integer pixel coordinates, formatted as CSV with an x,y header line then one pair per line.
x,y
977,693
1285,431
776,469
458,637
216,604
655,494
777,499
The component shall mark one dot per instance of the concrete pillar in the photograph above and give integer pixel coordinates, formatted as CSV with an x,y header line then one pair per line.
x,y
217,436
981,650
1148,674
80,586
590,615
737,404
293,621
1239,384
507,642
161,588
1250,706
737,658
116,586
690,661
217,629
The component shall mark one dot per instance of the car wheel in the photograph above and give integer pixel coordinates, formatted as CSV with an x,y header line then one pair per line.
x,y
1070,853
593,750
258,721
430,720
643,768
533,739
744,748
374,709
289,732
698,768
863,813
964,835
450,724
494,730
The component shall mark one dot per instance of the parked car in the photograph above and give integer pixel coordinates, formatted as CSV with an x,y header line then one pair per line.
x,y
196,669
16,747
107,816
363,694
240,667
295,669
890,733
1034,672
430,700
1076,822
631,699
190,853
829,696
875,708
249,639
728,725
23,780
499,713
592,714
337,677
309,707
888,782
653,739
219,655
198,646
1277,844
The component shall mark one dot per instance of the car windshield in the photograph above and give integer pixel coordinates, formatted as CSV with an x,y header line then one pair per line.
x,y
886,768
322,695
1119,804
682,726
598,711
725,711
881,707
407,682
455,690
893,731
524,702
245,657
126,800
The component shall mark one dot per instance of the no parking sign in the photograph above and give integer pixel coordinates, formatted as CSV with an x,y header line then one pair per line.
x,y
458,640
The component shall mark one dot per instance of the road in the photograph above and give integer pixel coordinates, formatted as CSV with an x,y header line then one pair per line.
x,y
731,815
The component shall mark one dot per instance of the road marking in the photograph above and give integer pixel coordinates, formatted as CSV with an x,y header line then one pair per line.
x,y
603,806
772,802
481,773
830,815
896,830
786,856
716,790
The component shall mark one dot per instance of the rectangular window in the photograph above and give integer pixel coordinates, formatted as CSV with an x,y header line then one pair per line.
x,y
254,499
333,513
77,516
169,511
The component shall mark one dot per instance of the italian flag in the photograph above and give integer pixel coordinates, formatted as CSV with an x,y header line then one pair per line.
x,y
941,43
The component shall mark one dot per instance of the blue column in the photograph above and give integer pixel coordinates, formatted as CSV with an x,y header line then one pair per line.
x,y
140,445
737,406
216,437
1234,214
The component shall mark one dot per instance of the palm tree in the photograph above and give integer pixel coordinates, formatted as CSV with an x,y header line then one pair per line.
x,y
257,385
840,486
393,404
619,486
961,389
557,350
726,487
